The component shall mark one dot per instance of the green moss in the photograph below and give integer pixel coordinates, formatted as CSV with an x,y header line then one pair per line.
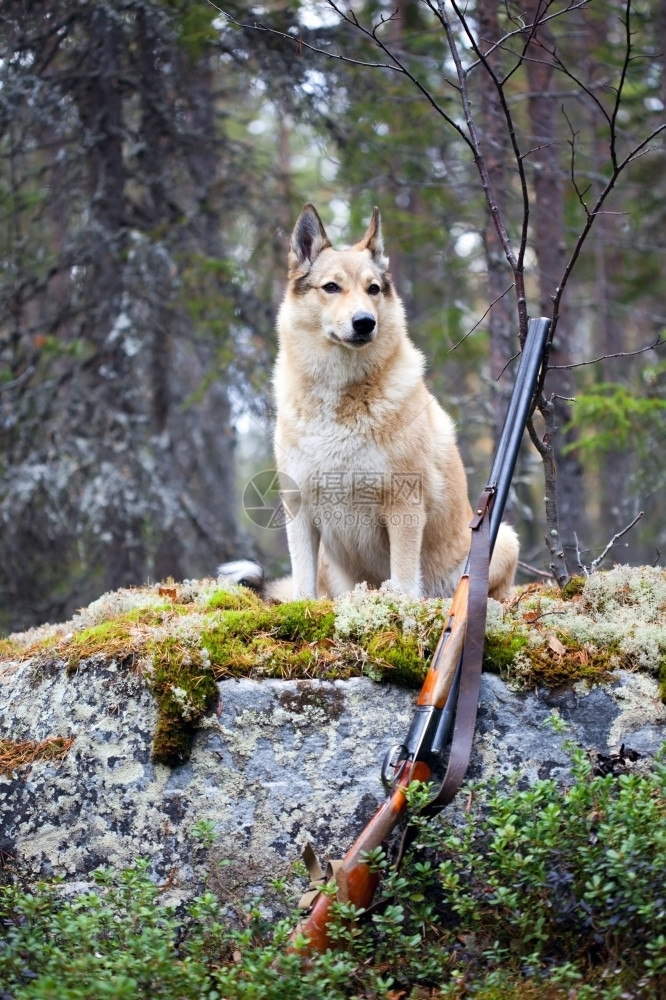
x,y
261,656
308,621
113,638
564,661
283,659
118,637
277,641
9,649
12,650
500,650
551,670
662,680
573,587
189,642
396,657
239,599
245,637
184,689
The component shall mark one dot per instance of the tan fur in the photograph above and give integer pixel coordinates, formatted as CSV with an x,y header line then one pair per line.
x,y
383,489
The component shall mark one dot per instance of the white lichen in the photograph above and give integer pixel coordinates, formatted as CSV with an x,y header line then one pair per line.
x,y
363,612
496,620
118,602
184,702
622,612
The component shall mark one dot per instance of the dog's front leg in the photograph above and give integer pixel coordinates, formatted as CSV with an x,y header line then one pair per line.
x,y
405,533
303,540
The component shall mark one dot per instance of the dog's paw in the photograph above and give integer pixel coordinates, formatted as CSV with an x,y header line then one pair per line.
x,y
412,588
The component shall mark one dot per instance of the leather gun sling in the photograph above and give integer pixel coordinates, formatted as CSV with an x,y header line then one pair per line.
x,y
470,669
472,657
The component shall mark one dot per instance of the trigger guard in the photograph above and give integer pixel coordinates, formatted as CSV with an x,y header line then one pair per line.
x,y
396,755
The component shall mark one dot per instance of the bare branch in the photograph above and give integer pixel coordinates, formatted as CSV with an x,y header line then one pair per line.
x,y
597,562
509,362
401,68
395,66
301,43
515,260
601,198
619,354
572,167
570,75
534,570
620,87
544,445
519,32
579,557
480,321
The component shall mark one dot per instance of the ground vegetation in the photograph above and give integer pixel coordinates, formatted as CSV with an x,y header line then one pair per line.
x,y
541,892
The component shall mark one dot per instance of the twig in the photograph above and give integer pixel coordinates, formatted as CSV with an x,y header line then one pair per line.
x,y
515,260
600,559
544,445
527,568
542,614
19,378
509,362
619,90
543,19
579,559
620,354
480,321
583,234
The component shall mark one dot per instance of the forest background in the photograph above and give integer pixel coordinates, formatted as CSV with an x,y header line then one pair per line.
x,y
154,155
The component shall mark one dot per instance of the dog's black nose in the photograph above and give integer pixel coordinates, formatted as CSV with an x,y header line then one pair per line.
x,y
363,324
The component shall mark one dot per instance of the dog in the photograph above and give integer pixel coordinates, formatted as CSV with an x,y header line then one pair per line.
x,y
373,483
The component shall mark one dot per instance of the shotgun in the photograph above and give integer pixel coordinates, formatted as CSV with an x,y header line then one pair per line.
x,y
451,686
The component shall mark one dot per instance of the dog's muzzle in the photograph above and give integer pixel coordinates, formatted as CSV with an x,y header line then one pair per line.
x,y
363,325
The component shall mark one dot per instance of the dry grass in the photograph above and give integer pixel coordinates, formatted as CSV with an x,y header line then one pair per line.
x,y
15,754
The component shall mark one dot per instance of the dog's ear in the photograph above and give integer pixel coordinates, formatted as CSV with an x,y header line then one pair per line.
x,y
373,240
307,240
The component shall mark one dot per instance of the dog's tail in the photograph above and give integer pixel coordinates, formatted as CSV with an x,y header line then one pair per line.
x,y
248,573
245,572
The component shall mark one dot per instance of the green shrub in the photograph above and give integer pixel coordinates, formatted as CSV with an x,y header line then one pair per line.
x,y
539,894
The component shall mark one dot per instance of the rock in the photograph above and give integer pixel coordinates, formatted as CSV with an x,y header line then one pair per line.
x,y
278,764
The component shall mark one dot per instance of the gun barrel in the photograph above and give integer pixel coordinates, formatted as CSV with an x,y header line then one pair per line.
x,y
440,677
517,412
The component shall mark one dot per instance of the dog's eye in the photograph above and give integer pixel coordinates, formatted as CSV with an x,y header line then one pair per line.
x,y
374,289
331,287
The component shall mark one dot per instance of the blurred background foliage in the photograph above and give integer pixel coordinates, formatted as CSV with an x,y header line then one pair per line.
x,y
154,155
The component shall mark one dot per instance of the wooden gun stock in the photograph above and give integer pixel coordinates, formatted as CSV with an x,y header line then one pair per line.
x,y
439,679
355,876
